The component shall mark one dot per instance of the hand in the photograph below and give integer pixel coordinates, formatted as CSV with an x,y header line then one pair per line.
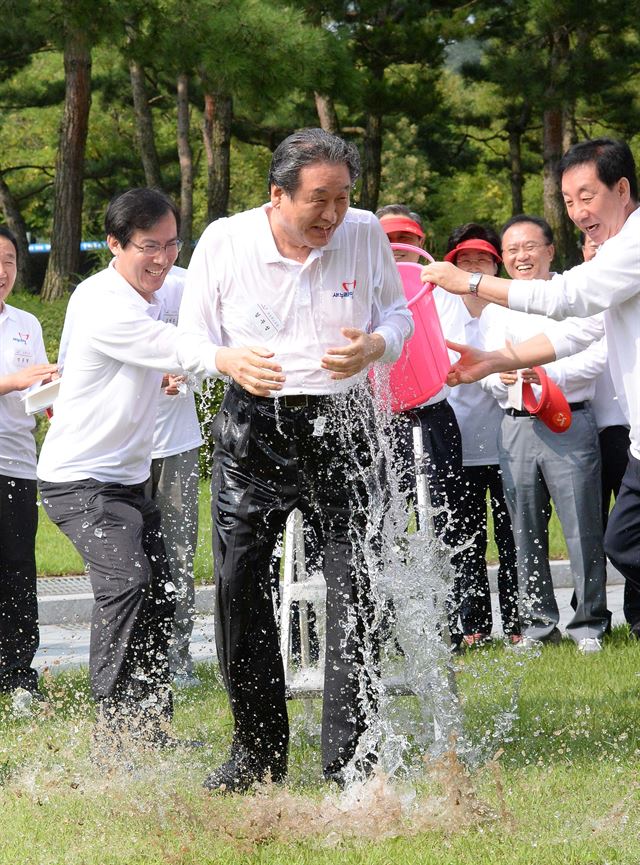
x,y
473,364
531,376
510,377
251,368
40,373
447,276
170,384
347,360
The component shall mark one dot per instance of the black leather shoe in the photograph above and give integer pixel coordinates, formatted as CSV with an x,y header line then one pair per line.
x,y
240,773
232,777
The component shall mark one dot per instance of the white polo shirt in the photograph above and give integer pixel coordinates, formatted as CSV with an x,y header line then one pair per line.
x,y
241,291
21,345
177,427
105,414
609,282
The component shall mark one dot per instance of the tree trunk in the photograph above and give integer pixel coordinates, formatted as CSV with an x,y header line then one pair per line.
x,y
552,150
327,113
216,132
17,225
67,190
185,157
371,163
554,209
569,131
515,172
144,127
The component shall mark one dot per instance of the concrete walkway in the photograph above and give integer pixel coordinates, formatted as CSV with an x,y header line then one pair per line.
x,y
65,606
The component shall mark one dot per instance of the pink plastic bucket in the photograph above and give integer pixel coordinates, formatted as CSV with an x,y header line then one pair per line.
x,y
422,368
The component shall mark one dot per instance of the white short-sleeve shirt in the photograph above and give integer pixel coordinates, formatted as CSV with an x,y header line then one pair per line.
x,y
21,345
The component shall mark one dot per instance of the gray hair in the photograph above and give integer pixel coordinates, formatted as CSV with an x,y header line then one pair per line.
x,y
308,147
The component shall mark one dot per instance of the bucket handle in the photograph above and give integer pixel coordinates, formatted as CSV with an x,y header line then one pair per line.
x,y
428,286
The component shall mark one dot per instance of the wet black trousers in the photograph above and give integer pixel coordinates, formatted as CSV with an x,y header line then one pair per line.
x,y
268,460
475,592
18,600
116,530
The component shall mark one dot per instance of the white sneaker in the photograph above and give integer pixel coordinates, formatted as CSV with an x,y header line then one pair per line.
x,y
525,644
589,645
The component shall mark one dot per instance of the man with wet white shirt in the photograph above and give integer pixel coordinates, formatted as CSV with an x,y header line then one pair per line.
x,y
95,462
299,297
23,363
540,466
600,189
174,480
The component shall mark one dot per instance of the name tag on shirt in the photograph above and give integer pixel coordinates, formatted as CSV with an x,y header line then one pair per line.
x,y
265,321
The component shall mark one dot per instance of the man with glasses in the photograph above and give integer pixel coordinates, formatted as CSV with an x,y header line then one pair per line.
x,y
539,465
96,459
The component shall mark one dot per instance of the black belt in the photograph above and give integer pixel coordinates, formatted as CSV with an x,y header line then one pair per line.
x,y
574,406
290,401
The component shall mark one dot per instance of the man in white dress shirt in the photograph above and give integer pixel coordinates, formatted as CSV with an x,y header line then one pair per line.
x,y
174,480
540,466
96,459
299,297
600,190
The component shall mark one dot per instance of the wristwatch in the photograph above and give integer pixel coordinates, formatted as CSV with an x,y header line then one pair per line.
x,y
474,282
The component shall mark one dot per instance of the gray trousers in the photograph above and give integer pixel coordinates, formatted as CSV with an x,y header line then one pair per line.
x,y
539,466
174,486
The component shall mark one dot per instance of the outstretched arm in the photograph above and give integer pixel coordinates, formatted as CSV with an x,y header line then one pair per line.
x,y
475,364
456,281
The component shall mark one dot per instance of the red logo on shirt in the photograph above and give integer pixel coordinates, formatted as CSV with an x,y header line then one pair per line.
x,y
347,290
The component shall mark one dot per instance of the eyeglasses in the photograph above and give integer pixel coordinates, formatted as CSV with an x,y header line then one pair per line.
x,y
154,248
524,247
463,261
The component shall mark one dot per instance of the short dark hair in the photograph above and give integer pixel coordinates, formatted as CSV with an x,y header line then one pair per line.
x,y
399,210
307,147
137,209
536,220
5,232
473,231
612,159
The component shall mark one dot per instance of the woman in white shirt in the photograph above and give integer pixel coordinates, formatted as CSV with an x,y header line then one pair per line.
x,y
23,362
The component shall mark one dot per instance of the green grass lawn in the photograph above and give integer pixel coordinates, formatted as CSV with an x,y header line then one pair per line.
x,y
55,555
560,788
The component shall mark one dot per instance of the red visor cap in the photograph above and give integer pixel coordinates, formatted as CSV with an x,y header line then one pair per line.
x,y
552,408
401,223
477,244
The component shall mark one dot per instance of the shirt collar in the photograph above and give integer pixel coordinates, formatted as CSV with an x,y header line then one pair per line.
x,y
152,308
267,244
8,313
